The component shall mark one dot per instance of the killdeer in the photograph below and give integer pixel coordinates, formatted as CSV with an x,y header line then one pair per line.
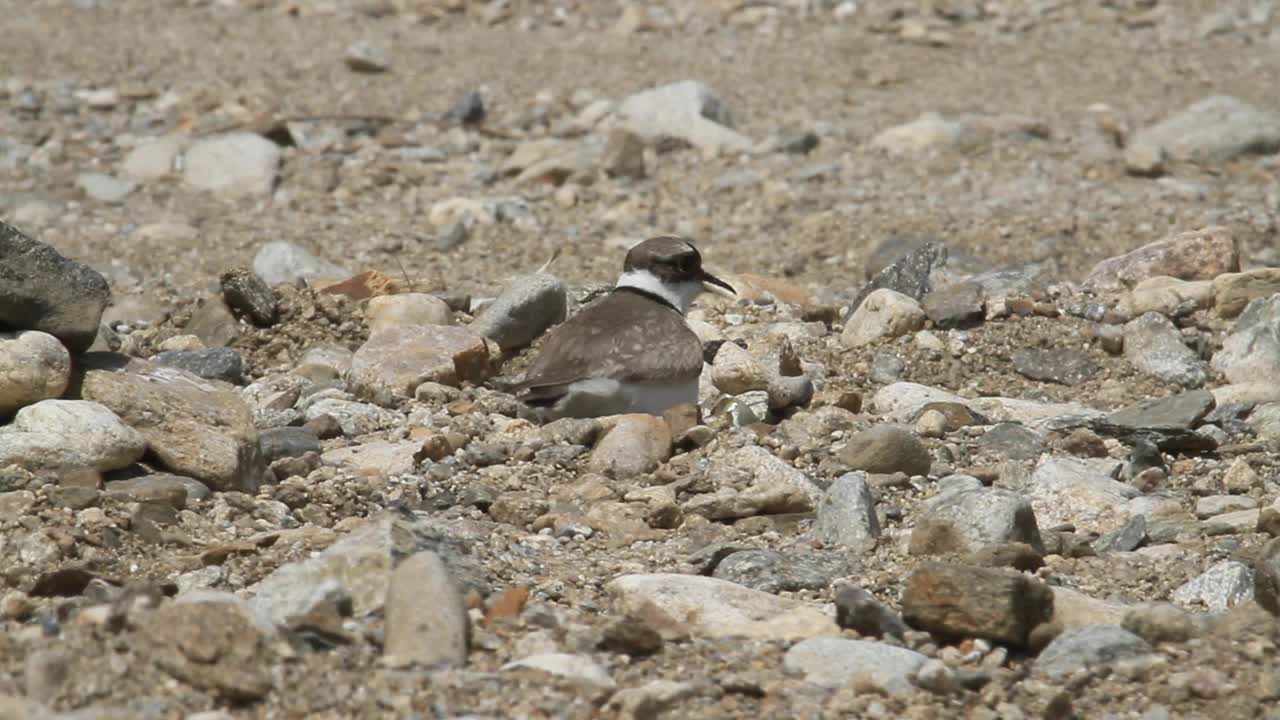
x,y
630,351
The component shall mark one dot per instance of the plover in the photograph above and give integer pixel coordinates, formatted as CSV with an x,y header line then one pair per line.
x,y
630,351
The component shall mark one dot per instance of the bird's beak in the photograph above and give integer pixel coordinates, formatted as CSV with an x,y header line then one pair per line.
x,y
710,279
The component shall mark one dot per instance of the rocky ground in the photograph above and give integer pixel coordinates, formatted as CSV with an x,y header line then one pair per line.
x,y
990,431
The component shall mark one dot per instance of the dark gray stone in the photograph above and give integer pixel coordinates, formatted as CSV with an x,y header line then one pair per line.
x,y
215,363
909,274
1175,412
774,572
467,111
42,290
1129,537
523,311
287,442
1088,646
1013,441
1060,365
859,610
249,295
847,514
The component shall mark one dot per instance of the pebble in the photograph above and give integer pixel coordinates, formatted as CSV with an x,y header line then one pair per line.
x,y
281,262
689,110
363,57
577,669
53,294
884,449
64,434
34,366
847,515
955,306
525,309
238,164
884,315
711,608
1000,605
834,662
1088,646
105,188
154,159
218,363
388,311
635,445
1154,346
426,622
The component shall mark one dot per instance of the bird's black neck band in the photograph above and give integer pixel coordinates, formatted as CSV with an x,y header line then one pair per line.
x,y
650,295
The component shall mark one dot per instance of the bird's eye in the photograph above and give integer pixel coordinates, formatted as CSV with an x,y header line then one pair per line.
x,y
687,263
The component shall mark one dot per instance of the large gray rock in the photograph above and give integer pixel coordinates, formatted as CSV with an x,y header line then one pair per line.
x,y
1088,646
195,427
1079,492
833,662
966,520
707,607
688,110
42,290
237,164
847,514
1153,345
362,564
1252,349
1218,588
34,366
1214,129
60,434
523,311
284,263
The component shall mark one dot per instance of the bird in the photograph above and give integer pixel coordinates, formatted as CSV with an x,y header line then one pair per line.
x,y
630,351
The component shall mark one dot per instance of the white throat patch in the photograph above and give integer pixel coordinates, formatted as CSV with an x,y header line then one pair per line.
x,y
680,295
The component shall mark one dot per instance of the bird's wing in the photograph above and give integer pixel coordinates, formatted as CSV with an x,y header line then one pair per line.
x,y
611,339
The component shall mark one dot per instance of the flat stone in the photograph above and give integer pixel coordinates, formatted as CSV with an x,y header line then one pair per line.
x,y
1195,255
168,490
965,601
376,458
883,315
1154,346
362,564
393,363
904,401
1225,584
1175,412
194,427
236,164
965,521
1013,441
287,442
711,608
847,515
636,444
426,621
774,572
1252,349
1232,292
355,418
958,305
388,311
34,366
1213,129
885,449
1061,365
1079,492
1211,505
770,486
525,309
281,262
42,290
834,662
1088,646
578,669
66,434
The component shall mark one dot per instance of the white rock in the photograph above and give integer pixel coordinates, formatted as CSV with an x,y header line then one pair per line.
x,y
155,159
236,165
1218,588
575,668
284,263
70,434
833,662
1080,492
689,110
884,315
34,366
